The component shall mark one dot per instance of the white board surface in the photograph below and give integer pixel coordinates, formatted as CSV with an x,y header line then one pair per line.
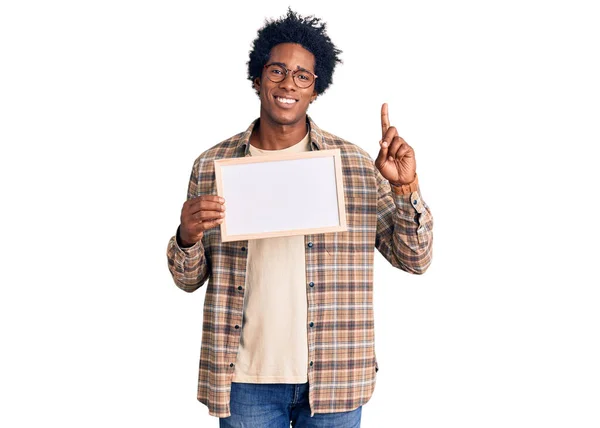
x,y
281,195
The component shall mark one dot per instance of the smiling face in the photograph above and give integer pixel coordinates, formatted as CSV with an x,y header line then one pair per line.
x,y
284,103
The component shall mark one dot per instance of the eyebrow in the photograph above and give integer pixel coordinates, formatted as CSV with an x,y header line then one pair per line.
x,y
283,64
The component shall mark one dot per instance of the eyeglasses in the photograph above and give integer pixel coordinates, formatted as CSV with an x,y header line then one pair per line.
x,y
302,78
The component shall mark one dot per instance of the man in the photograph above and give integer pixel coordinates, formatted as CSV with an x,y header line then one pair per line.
x,y
288,322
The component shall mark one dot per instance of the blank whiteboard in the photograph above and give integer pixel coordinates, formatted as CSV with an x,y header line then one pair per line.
x,y
281,195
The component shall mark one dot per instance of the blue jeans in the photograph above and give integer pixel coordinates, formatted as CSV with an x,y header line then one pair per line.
x,y
275,405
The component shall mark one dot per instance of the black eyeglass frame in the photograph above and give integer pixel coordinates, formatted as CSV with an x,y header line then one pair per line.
x,y
287,70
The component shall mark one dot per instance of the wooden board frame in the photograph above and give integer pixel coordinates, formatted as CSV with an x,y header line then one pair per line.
x,y
282,157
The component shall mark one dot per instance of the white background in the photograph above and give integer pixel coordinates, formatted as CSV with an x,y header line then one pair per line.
x,y
105,105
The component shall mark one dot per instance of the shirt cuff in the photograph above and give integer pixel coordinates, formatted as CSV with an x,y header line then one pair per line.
x,y
410,203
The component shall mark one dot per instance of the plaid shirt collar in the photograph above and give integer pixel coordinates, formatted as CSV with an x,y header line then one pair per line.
x,y
316,138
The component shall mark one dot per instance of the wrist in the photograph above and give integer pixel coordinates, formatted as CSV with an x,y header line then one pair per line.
x,y
183,241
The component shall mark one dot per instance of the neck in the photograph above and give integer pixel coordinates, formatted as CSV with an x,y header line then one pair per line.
x,y
272,136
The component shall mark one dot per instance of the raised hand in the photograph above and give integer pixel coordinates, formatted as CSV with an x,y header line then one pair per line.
x,y
200,214
396,159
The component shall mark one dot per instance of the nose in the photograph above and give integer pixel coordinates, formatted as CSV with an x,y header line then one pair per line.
x,y
288,81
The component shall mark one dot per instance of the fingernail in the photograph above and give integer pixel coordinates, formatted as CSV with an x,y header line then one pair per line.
x,y
384,144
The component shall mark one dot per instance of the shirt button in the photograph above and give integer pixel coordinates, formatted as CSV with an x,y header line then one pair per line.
x,y
311,363
240,288
237,326
310,244
311,324
311,284
243,248
415,202
231,365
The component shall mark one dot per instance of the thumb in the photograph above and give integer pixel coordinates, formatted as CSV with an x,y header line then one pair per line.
x,y
383,154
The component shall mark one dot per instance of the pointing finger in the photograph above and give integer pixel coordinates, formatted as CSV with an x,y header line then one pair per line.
x,y
385,120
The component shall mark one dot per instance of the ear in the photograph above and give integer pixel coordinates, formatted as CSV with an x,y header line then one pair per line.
x,y
313,96
256,85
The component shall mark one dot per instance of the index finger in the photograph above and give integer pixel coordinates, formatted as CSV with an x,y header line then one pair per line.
x,y
210,198
385,120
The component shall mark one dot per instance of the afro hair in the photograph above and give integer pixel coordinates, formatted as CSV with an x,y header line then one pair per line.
x,y
309,32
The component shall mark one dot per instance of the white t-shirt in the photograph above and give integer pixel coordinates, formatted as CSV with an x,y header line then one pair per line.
x,y
273,344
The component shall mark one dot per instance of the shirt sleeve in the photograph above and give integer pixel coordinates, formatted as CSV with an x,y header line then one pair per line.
x,y
188,266
404,227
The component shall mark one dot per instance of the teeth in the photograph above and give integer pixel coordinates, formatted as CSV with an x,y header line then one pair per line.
x,y
285,100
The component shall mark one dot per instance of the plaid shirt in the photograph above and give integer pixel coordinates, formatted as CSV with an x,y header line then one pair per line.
x,y
339,278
